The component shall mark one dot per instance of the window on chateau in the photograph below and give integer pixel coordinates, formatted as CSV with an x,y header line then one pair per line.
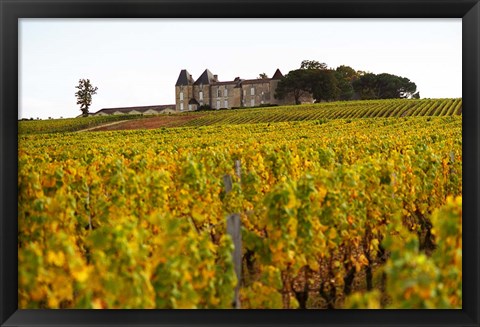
x,y
181,96
252,102
225,92
181,106
226,104
218,104
201,95
190,107
252,91
219,93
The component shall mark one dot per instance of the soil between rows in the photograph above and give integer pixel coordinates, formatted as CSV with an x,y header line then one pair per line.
x,y
149,123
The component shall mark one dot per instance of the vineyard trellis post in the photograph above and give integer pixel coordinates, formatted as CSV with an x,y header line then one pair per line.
x,y
238,169
234,230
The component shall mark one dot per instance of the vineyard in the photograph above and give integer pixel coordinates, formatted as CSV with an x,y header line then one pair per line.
x,y
68,124
334,110
328,110
335,213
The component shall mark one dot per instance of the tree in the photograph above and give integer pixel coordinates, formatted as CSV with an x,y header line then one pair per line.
x,y
313,64
295,83
384,86
365,86
324,85
262,76
320,80
84,95
345,75
313,78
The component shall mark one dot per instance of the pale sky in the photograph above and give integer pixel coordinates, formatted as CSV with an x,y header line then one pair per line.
x,y
136,62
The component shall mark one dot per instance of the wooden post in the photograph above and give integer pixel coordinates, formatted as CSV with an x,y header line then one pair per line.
x,y
227,181
234,230
238,169
89,210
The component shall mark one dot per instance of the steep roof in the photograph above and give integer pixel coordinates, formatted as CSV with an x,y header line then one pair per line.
x,y
205,78
184,78
278,74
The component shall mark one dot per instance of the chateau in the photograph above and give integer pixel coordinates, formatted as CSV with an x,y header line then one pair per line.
x,y
207,91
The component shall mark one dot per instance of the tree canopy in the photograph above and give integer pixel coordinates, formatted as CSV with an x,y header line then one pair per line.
x,y
295,83
345,75
384,86
324,85
313,64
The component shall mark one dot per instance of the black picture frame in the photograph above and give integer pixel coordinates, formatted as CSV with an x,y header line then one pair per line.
x,y
12,10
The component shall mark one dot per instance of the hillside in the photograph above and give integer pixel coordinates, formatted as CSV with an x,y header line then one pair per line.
x,y
334,110
329,110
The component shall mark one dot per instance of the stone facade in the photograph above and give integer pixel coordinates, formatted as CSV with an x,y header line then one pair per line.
x,y
207,90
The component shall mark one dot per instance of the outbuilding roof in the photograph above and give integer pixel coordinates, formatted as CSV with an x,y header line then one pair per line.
x,y
141,109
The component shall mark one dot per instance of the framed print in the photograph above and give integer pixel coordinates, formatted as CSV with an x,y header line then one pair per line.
x,y
239,163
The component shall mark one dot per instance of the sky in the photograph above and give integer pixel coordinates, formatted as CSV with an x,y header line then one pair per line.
x,y
136,62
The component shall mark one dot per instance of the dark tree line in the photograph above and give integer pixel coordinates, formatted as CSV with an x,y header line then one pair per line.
x,y
343,83
384,86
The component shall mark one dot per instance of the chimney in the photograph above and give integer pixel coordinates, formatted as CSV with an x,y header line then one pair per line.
x,y
215,77
236,79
